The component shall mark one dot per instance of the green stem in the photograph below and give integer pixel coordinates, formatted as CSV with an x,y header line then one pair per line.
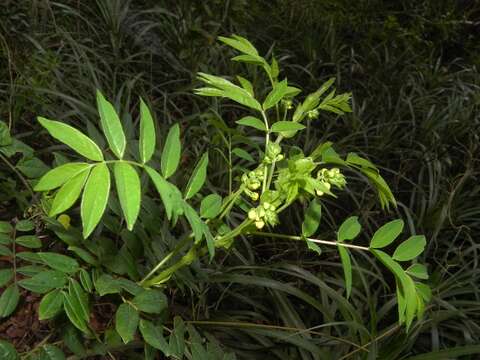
x,y
325,242
20,176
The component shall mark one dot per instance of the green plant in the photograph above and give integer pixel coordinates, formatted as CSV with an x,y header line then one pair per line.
x,y
283,175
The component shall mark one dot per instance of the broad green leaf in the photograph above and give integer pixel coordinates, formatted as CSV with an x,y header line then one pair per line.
x,y
5,276
278,93
24,225
50,305
153,336
349,229
95,197
9,300
312,218
52,353
106,284
5,227
386,234
150,301
7,351
60,175
5,138
59,262
79,300
70,136
128,190
126,322
211,206
281,126
30,270
417,270
410,248
74,312
171,152
44,281
239,43
147,139
68,193
347,268
111,125
253,122
198,177
86,280
424,291
29,241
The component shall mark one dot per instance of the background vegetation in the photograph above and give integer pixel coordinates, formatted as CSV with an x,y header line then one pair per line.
x,y
412,67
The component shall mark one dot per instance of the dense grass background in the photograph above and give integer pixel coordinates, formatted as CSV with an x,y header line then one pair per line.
x,y
412,67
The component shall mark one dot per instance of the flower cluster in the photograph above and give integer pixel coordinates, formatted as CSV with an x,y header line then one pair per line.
x,y
252,181
265,213
329,177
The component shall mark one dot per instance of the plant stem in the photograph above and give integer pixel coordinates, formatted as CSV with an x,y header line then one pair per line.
x,y
20,176
267,140
325,242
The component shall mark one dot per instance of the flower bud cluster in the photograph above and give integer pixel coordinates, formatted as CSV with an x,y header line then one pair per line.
x,y
274,153
253,181
287,104
265,213
329,177
312,114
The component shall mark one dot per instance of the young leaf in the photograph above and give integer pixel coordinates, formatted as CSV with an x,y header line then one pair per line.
x,y
239,43
281,126
312,218
58,176
198,177
50,305
95,197
410,248
126,322
70,136
128,190
68,193
252,121
347,268
150,301
386,234
111,125
277,94
59,262
147,133
9,300
246,84
210,206
349,229
171,152
153,336
417,270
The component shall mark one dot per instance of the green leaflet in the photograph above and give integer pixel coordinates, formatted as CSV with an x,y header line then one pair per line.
x,y
58,176
150,301
210,206
253,122
347,268
278,93
111,125
44,281
5,276
70,136
29,241
153,336
198,177
418,270
128,189
7,351
69,193
239,43
59,262
171,152
349,229
9,300
95,197
410,248
281,126
171,196
386,234
126,322
147,141
74,312
312,218
50,305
